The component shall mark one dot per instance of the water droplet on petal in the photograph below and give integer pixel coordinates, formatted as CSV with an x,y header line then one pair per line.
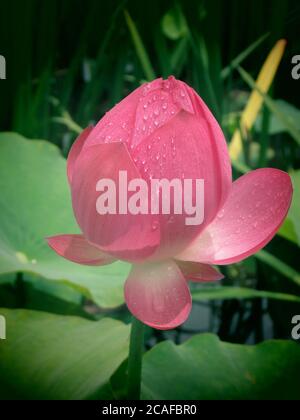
x,y
155,225
171,219
221,214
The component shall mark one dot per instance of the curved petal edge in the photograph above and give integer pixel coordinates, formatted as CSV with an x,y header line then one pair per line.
x,y
258,204
158,295
77,249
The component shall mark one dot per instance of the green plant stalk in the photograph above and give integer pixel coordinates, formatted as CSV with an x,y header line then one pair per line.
x,y
140,49
279,265
135,359
290,127
242,56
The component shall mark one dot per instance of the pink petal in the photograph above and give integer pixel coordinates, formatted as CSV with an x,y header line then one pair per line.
x,y
254,211
118,124
77,249
75,151
126,236
185,148
159,103
158,295
222,163
198,272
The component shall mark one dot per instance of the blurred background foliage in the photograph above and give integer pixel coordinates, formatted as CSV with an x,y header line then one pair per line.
x,y
68,62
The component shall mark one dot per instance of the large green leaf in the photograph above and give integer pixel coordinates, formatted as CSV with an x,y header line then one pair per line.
x,y
58,357
206,368
35,203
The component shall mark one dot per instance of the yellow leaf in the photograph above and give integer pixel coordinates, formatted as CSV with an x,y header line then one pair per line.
x,y
255,101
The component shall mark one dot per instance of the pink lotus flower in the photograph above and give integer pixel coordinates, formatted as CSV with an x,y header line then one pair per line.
x,y
164,129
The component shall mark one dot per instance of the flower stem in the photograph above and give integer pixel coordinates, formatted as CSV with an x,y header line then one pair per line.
x,y
135,359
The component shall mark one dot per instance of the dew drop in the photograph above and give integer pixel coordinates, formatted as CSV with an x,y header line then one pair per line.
x,y
221,214
155,225
164,106
171,219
